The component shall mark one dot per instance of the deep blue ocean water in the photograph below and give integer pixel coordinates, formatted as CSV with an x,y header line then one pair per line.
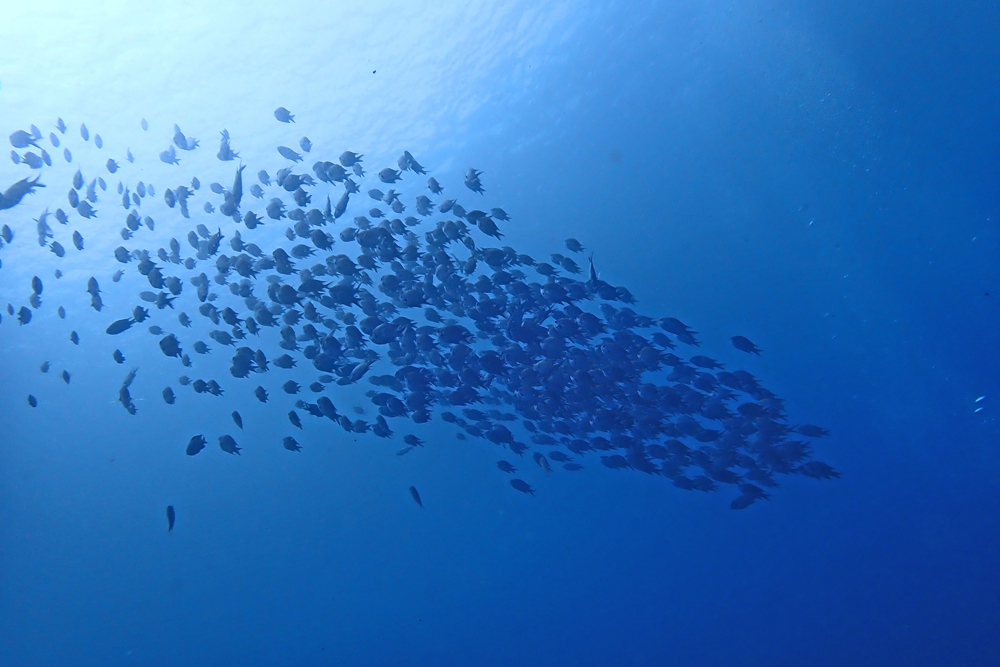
x,y
819,177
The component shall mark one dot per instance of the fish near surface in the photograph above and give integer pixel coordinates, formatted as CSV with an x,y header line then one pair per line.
x,y
13,195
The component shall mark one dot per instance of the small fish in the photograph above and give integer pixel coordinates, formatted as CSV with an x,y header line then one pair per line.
x,y
228,445
195,445
522,486
171,517
237,419
416,496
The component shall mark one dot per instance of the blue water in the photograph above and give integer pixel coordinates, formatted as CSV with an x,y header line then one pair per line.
x,y
819,177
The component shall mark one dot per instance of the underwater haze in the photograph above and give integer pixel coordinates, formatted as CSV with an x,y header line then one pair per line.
x,y
646,333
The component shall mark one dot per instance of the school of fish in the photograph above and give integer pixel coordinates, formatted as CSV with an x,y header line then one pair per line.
x,y
414,296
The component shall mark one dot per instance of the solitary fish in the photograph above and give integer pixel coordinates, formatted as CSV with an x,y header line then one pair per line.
x,y
522,486
416,496
171,517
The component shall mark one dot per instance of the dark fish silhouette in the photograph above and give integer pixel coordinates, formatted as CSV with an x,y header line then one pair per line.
x,y
744,345
527,355
118,326
13,195
195,445
237,419
171,517
416,496
522,486
228,445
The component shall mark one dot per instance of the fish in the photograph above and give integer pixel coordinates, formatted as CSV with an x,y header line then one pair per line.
x,y
22,139
527,355
171,517
228,445
416,496
226,153
13,195
289,154
119,326
473,182
744,345
195,445
522,486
